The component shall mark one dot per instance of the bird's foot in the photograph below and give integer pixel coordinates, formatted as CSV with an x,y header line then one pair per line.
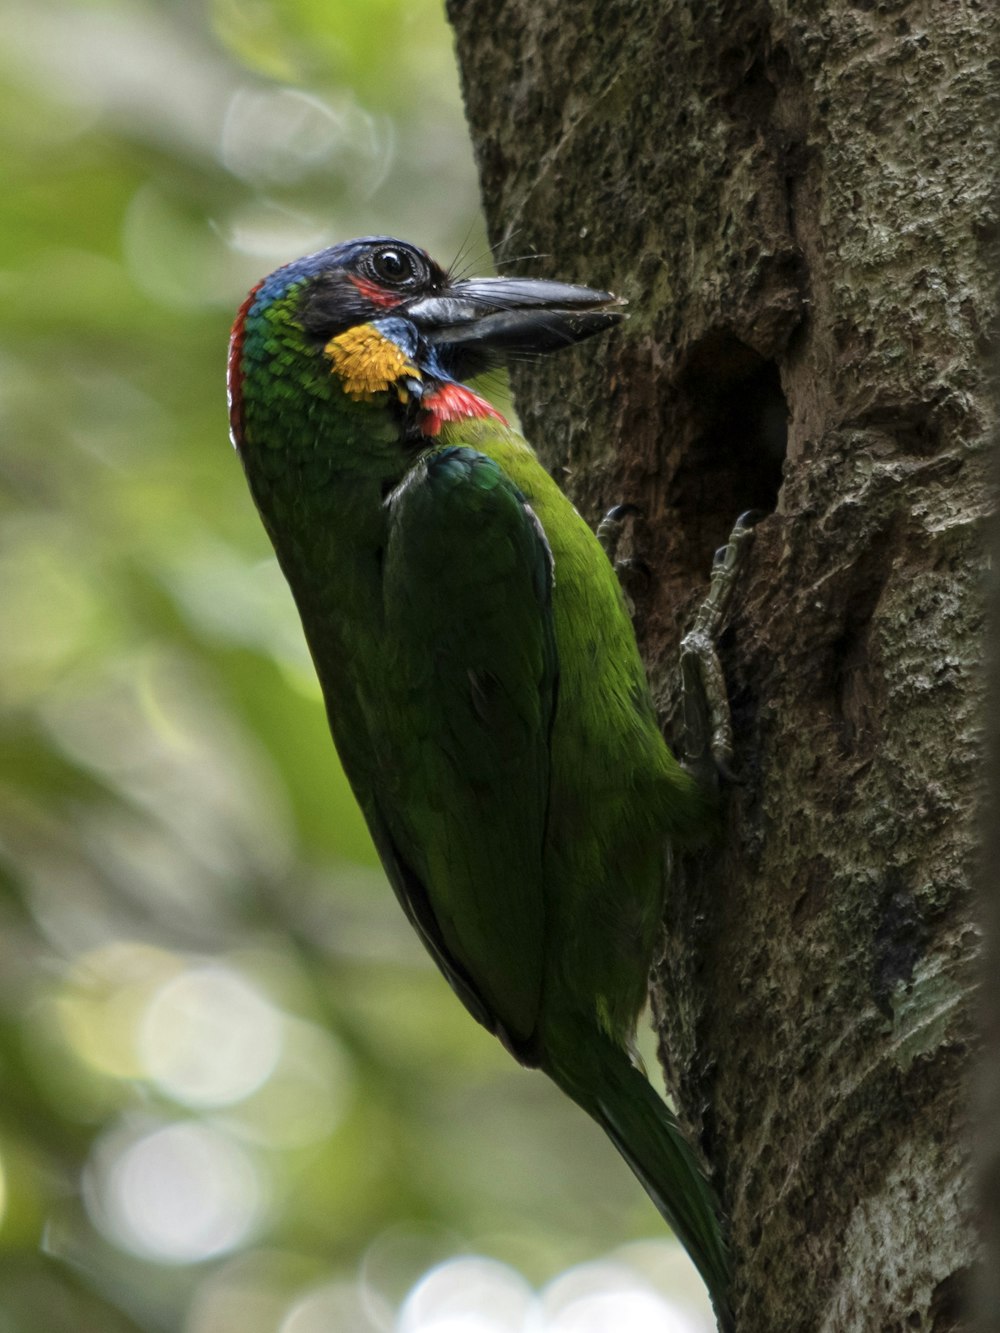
x,y
631,572
609,530
708,727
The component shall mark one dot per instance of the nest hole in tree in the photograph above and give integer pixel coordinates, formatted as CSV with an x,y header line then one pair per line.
x,y
735,433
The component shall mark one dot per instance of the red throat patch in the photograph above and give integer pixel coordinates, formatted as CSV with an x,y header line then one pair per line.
x,y
454,402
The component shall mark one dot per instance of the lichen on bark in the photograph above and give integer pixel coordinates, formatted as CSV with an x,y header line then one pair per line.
x,y
798,203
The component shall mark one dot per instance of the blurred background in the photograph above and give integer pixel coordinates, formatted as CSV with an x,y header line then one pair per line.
x,y
235,1096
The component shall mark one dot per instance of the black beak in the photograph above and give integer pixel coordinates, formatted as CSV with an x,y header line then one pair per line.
x,y
476,323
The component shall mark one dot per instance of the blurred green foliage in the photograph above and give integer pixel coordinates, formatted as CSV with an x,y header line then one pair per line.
x,y
236,1095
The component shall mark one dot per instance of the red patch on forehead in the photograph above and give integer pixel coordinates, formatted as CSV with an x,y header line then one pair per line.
x,y
453,402
234,379
371,291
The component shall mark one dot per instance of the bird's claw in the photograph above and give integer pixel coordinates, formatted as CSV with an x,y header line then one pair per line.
x,y
609,534
708,728
609,530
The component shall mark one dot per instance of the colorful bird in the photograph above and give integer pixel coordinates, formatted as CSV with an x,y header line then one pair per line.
x,y
481,675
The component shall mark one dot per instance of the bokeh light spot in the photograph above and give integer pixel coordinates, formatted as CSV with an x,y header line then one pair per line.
x,y
606,1296
468,1295
209,1038
337,1307
400,1257
179,1194
611,1311
277,135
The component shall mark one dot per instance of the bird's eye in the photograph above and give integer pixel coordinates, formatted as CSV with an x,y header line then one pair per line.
x,y
395,266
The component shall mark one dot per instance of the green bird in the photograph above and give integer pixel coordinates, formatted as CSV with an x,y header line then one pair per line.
x,y
480,671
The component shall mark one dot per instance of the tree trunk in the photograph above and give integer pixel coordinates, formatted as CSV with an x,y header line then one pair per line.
x,y
798,207
988,1288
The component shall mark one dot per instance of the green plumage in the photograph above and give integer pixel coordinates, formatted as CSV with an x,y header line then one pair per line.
x,y
491,712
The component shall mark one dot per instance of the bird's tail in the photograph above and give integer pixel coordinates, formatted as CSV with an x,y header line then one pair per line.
x,y
601,1078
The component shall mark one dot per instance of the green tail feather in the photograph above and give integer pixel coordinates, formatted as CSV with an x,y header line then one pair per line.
x,y
609,1088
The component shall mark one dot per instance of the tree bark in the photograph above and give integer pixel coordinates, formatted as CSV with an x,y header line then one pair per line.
x,y
988,1287
797,202
988,1086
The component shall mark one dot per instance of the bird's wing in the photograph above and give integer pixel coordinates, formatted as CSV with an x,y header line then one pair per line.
x,y
459,719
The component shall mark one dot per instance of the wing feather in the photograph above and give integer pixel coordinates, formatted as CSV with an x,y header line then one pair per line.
x,y
460,725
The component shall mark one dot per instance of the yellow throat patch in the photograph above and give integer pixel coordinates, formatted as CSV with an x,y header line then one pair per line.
x,y
366,363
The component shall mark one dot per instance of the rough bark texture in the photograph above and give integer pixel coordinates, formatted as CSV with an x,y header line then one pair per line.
x,y
796,200
988,1287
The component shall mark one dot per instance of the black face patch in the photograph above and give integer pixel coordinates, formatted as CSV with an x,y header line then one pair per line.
x,y
374,278
332,303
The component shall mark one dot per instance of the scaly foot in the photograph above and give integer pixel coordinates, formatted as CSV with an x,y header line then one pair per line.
x,y
708,728
609,534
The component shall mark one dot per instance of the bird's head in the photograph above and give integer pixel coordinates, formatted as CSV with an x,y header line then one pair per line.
x,y
380,320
